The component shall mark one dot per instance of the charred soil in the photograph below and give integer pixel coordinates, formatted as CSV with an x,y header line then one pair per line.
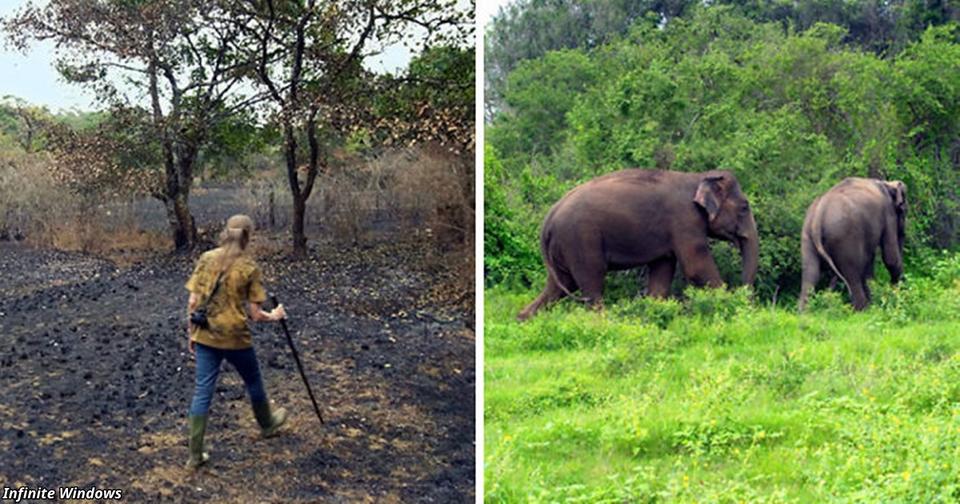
x,y
96,380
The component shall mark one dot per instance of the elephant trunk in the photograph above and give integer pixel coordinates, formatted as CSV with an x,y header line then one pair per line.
x,y
749,251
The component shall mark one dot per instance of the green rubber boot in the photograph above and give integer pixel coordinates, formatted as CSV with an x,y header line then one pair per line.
x,y
270,421
198,457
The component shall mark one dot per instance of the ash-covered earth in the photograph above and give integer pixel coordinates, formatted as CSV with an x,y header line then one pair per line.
x,y
96,379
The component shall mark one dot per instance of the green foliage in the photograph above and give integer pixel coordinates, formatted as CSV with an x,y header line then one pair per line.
x,y
434,101
233,145
641,404
528,29
510,244
791,113
718,438
445,75
659,312
829,304
710,304
541,92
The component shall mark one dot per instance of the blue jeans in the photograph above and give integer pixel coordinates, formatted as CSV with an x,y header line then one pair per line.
x,y
208,369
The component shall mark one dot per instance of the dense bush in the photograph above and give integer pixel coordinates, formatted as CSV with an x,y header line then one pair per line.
x,y
510,244
791,113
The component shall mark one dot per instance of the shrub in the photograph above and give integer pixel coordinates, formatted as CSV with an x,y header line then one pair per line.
x,y
717,437
790,113
829,304
710,304
658,312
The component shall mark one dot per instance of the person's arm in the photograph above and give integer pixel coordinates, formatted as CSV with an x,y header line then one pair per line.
x,y
193,287
258,315
191,305
256,296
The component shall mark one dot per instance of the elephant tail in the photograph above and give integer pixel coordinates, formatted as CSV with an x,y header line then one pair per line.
x,y
551,271
556,278
815,236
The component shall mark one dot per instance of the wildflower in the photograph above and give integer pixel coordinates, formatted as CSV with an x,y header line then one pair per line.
x,y
906,475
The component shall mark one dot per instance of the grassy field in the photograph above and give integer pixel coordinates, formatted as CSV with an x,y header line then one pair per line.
x,y
718,399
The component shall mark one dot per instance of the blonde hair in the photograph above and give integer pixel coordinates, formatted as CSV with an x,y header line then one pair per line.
x,y
234,239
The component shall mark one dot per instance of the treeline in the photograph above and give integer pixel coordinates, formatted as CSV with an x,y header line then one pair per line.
x,y
203,83
527,29
791,107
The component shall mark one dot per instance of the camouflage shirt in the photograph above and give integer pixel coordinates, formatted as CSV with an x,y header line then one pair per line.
x,y
226,311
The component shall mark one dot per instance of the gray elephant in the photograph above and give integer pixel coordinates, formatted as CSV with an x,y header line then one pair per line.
x,y
640,217
843,229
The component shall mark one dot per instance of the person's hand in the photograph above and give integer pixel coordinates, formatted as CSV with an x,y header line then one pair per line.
x,y
278,313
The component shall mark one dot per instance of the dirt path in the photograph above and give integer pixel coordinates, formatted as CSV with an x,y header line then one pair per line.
x,y
96,382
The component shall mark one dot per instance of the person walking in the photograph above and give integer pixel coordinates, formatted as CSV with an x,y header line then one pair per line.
x,y
225,292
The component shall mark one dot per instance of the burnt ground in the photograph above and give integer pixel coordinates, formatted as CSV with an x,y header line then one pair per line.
x,y
95,380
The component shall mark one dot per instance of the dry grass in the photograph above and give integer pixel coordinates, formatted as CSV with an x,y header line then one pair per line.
x,y
122,246
30,200
33,205
425,193
267,198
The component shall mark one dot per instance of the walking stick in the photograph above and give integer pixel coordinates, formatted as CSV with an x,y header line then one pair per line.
x,y
296,358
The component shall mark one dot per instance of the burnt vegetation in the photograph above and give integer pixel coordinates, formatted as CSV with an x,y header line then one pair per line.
x,y
360,182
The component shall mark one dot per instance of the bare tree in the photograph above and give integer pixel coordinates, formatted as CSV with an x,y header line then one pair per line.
x,y
170,56
31,121
309,61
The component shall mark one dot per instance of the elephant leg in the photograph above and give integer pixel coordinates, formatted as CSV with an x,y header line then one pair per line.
x,y
892,258
551,293
589,275
811,272
698,265
868,269
867,275
856,285
660,276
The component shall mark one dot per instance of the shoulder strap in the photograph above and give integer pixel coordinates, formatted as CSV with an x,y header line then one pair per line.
x,y
216,287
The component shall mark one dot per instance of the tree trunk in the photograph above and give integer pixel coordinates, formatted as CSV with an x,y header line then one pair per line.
x,y
300,193
299,202
178,169
299,237
182,226
273,212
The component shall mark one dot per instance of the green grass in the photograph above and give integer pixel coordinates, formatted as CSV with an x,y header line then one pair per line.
x,y
717,399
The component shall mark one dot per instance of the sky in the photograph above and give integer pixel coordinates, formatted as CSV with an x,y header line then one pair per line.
x,y
486,9
32,77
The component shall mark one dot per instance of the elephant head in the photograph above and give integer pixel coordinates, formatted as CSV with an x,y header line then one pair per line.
x,y
898,194
729,217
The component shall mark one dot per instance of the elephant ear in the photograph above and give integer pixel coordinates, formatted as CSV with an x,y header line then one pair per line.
x,y
898,192
709,195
